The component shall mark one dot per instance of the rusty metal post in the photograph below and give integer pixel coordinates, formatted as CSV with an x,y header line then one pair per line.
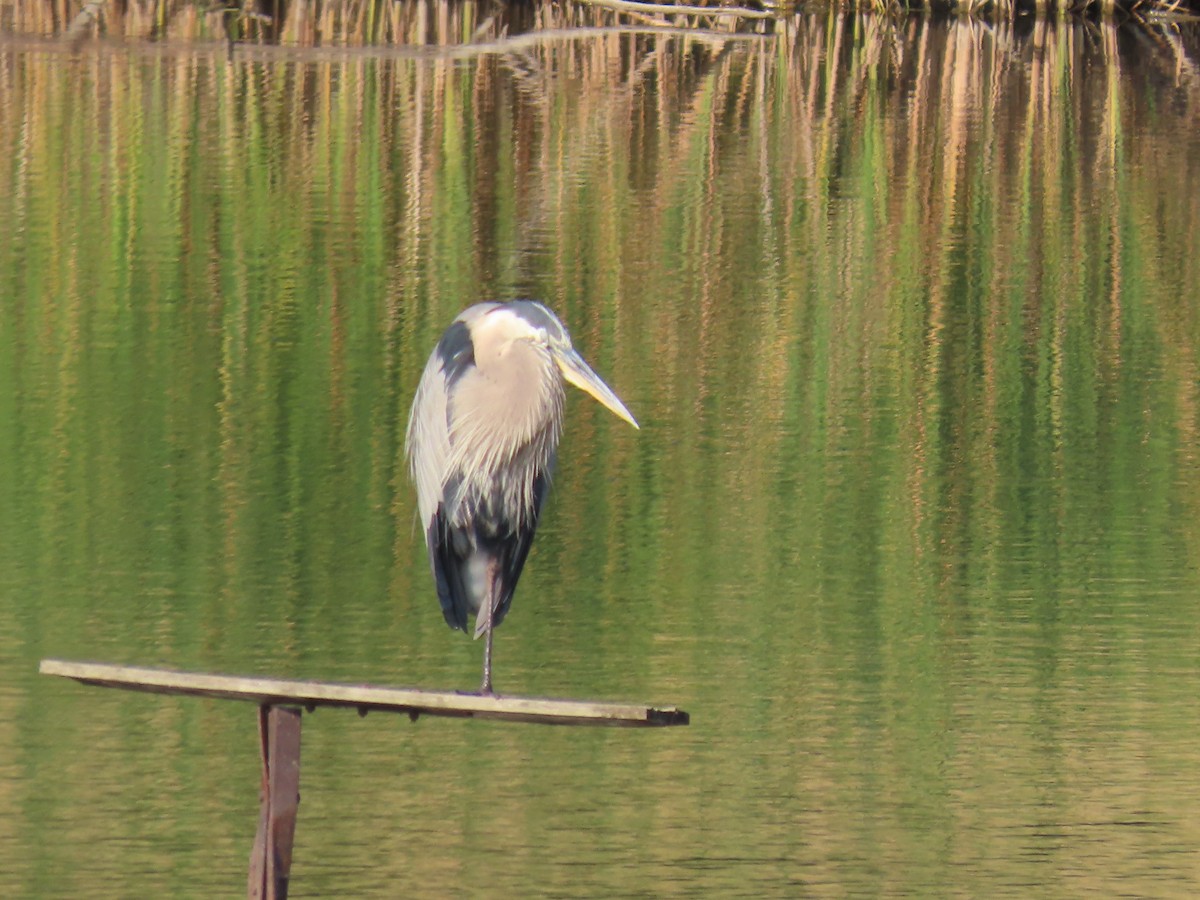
x,y
271,858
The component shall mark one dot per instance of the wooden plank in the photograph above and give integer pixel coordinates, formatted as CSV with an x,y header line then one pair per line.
x,y
364,697
284,778
271,858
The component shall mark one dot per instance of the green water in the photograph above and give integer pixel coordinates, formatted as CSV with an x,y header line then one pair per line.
x,y
911,322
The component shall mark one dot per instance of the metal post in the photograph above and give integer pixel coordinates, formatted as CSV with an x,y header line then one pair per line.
x,y
271,858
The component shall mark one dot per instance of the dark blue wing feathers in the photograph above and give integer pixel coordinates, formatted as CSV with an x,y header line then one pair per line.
x,y
451,547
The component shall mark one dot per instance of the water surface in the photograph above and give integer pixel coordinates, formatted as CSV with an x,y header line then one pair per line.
x,y
912,526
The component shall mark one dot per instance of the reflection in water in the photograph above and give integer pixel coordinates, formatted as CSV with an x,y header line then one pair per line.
x,y
910,527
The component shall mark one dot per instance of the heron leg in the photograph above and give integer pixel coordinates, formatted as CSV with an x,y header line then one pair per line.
x,y
486,688
493,584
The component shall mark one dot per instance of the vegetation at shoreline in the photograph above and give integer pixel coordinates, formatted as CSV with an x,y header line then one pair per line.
x,y
444,22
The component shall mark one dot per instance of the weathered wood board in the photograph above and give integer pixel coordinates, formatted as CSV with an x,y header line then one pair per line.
x,y
366,698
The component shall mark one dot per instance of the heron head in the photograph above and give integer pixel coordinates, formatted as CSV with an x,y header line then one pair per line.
x,y
531,321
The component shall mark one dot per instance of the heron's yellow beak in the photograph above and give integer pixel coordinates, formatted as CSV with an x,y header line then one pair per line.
x,y
580,374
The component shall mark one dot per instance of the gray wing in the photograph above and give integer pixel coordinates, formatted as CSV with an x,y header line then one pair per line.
x,y
428,436
428,439
430,452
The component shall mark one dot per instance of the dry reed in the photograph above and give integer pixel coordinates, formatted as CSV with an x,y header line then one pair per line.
x,y
358,23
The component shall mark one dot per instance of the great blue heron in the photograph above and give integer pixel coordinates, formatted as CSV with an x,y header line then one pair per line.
x,y
482,437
